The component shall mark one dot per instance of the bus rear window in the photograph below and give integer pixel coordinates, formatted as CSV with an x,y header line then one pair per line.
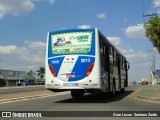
x,y
71,42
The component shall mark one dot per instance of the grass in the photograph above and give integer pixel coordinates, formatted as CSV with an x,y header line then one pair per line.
x,y
149,92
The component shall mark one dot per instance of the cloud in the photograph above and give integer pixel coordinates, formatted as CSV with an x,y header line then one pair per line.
x,y
18,7
134,55
36,45
101,15
115,40
84,26
135,32
28,57
156,3
13,50
51,1
15,7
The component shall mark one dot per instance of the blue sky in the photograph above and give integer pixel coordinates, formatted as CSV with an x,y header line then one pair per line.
x,y
24,25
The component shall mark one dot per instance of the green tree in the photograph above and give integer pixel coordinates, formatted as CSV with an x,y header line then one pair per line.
x,y
153,31
30,73
41,72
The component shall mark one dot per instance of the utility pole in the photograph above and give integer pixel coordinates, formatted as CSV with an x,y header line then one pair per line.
x,y
154,81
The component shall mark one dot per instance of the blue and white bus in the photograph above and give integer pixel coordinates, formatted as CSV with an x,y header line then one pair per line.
x,y
84,61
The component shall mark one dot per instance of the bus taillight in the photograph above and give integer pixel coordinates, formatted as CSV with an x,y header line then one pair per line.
x,y
52,70
90,69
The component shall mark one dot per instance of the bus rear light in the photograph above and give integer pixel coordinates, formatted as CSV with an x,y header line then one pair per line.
x,y
52,70
90,69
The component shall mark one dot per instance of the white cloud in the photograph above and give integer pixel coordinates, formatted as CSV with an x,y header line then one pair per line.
x,y
84,26
156,3
133,55
18,7
101,15
13,50
7,49
25,58
135,32
115,40
15,7
36,45
51,1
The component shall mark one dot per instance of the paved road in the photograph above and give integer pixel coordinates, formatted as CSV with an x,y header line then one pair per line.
x,y
91,102
19,89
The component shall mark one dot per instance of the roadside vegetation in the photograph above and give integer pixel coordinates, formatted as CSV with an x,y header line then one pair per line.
x,y
153,31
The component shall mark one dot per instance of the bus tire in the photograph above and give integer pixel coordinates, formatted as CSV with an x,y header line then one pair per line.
x,y
122,90
77,93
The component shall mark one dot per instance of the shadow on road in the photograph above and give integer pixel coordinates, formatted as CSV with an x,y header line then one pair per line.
x,y
98,98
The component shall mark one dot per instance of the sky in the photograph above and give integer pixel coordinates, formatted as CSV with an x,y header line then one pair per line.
x,y
24,25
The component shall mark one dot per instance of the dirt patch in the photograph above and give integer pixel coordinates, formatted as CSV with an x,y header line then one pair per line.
x,y
158,90
25,94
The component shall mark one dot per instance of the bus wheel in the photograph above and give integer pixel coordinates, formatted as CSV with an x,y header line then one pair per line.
x,y
122,90
77,93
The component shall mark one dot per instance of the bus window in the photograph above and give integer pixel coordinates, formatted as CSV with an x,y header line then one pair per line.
x,y
111,55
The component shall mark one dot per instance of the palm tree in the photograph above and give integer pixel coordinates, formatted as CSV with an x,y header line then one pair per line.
x,y
41,72
30,76
30,73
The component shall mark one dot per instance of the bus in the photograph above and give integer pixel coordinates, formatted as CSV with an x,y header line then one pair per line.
x,y
84,61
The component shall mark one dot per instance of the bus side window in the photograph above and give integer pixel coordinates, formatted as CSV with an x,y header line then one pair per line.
x,y
111,55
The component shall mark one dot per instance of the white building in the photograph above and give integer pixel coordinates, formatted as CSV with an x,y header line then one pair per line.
x,y
12,77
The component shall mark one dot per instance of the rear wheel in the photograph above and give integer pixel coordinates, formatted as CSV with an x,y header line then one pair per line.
x,y
77,93
122,90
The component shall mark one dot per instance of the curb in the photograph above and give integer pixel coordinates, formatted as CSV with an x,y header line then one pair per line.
x,y
154,99
157,99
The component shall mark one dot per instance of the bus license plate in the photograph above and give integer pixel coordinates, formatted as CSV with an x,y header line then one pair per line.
x,y
71,84
70,75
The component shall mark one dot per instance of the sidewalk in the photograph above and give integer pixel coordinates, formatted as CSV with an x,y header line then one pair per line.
x,y
150,92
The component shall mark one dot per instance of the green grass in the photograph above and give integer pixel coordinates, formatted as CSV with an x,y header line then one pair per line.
x,y
150,91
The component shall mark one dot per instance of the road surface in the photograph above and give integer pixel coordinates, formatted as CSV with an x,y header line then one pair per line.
x,y
90,102
20,89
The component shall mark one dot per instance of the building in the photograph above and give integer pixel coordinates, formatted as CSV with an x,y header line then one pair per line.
x,y
12,77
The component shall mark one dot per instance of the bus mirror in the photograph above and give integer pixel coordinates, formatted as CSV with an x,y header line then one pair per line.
x,y
128,67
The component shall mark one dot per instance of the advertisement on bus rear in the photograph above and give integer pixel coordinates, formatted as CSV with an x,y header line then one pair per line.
x,y
71,42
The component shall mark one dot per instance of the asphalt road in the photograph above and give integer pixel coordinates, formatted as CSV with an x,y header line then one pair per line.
x,y
20,89
90,102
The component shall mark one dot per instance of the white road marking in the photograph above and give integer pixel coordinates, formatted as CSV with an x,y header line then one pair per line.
x,y
15,87
30,97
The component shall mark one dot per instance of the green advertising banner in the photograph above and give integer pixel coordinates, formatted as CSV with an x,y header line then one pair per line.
x,y
71,42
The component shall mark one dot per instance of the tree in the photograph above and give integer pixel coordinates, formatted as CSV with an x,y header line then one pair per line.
x,y
41,72
30,73
153,31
